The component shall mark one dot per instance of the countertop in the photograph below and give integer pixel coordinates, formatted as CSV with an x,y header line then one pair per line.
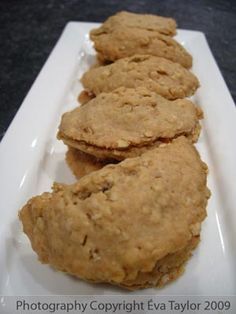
x,y
30,29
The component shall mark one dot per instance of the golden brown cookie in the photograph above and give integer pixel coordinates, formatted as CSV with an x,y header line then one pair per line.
x,y
161,24
81,163
127,122
126,42
160,75
133,224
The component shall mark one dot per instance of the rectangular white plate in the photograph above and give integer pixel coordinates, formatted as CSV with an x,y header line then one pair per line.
x,y
31,159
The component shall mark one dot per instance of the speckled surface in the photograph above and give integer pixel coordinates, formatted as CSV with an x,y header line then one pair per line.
x,y
30,28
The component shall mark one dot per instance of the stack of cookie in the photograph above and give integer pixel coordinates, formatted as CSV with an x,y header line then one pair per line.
x,y
134,217
130,103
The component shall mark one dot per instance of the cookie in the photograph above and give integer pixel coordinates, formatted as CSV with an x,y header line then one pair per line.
x,y
159,75
126,42
81,163
133,224
127,122
163,25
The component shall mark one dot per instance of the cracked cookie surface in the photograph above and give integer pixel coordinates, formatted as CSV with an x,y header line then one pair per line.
x,y
159,75
98,231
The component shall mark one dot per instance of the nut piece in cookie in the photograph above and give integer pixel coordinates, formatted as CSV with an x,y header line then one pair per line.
x,y
163,25
133,224
159,75
125,42
127,122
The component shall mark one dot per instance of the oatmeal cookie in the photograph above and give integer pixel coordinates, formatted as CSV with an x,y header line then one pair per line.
x,y
127,122
125,42
81,163
133,224
163,25
159,75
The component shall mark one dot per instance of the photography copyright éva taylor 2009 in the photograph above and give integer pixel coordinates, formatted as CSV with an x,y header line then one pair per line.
x,y
133,306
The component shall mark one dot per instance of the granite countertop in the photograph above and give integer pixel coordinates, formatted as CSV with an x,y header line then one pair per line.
x,y
30,29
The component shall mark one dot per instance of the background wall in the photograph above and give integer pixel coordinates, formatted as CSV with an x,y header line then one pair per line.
x,y
30,28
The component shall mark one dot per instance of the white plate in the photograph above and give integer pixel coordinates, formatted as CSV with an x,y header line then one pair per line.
x,y
31,159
